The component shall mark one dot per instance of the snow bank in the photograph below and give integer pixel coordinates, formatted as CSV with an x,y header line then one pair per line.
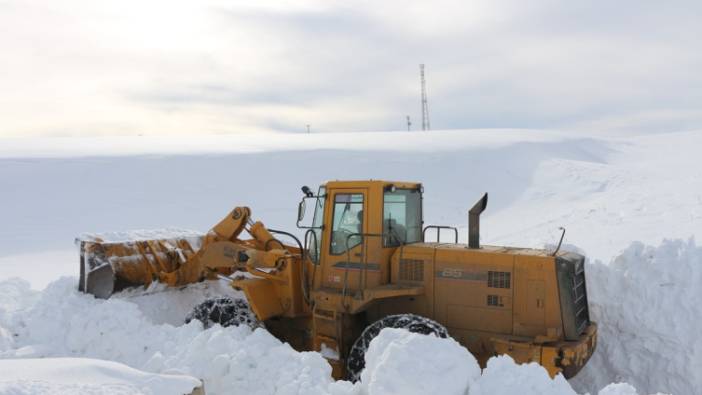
x,y
86,376
185,188
242,143
648,304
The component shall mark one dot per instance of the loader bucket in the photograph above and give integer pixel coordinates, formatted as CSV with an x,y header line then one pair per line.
x,y
101,282
108,266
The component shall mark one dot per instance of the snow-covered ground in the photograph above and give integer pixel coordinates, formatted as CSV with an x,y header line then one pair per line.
x,y
632,204
69,376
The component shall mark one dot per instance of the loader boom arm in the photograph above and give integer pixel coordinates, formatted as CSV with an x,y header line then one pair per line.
x,y
106,267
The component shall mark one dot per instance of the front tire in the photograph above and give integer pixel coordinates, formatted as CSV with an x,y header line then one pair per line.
x,y
224,311
411,322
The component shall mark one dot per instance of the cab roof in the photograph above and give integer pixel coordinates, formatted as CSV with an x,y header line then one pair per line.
x,y
371,183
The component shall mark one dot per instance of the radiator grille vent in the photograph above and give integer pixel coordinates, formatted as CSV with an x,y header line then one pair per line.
x,y
499,279
582,316
411,270
494,300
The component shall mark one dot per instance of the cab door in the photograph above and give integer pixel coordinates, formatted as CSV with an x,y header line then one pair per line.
x,y
343,246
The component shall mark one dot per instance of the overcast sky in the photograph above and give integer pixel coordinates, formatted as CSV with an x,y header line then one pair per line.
x,y
91,67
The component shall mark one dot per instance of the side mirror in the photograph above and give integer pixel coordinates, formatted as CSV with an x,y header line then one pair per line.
x,y
306,190
301,210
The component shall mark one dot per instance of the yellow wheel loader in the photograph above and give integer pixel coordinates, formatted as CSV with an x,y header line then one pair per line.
x,y
365,264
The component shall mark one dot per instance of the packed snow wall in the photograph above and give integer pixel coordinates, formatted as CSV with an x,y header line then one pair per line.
x,y
648,304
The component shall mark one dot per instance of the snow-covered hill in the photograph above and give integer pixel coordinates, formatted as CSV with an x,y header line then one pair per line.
x,y
619,198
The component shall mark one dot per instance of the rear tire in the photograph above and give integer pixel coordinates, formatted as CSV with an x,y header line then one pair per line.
x,y
411,322
224,311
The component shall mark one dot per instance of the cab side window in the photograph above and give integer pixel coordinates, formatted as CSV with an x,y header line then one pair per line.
x,y
347,220
402,217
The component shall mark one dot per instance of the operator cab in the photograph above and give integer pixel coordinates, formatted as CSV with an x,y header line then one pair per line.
x,y
357,225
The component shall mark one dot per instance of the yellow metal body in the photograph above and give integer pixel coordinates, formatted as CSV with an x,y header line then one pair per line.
x,y
493,300
520,317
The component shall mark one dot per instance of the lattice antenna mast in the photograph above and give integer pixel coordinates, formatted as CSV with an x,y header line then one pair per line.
x,y
426,125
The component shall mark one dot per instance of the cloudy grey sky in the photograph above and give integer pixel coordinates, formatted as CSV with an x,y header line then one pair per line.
x,y
91,67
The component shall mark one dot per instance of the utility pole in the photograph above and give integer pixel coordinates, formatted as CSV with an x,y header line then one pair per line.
x,y
425,106
409,123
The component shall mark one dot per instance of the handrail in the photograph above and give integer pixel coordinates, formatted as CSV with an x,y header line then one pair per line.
x,y
307,250
307,253
305,287
438,232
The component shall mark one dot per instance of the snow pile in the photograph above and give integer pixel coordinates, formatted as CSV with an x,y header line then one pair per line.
x,y
64,322
14,296
648,304
503,376
618,389
6,341
60,376
161,304
400,362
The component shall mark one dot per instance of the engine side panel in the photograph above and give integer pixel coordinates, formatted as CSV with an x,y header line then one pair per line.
x,y
474,290
496,300
410,265
537,303
480,294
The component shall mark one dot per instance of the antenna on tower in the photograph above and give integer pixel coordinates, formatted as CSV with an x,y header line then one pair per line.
x,y
425,107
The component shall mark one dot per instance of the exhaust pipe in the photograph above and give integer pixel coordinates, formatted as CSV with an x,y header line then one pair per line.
x,y
474,222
